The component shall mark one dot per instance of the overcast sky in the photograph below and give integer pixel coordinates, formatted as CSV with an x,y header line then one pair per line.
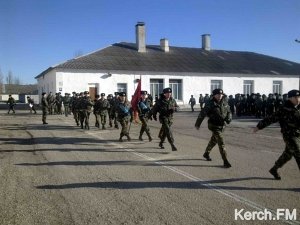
x,y
37,34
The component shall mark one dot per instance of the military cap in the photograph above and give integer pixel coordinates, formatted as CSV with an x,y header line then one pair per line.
x,y
218,91
122,94
167,90
110,95
97,96
144,92
28,97
293,93
74,92
117,93
43,93
102,94
86,92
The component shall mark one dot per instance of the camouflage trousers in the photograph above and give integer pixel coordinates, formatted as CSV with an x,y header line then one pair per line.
x,y
44,115
216,138
145,127
67,110
165,130
100,117
124,126
76,116
292,148
84,117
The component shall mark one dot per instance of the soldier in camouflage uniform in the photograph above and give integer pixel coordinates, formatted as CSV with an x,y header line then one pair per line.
x,y
165,106
124,112
288,116
67,101
50,100
11,104
96,110
103,107
76,107
44,107
85,109
109,109
31,104
219,114
144,107
114,111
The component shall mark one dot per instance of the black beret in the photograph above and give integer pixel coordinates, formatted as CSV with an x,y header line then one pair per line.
x,y
123,94
86,92
143,92
117,93
102,94
43,93
217,91
167,90
97,96
110,95
293,93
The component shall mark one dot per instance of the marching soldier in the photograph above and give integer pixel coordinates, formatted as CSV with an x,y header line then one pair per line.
x,y
11,104
192,101
144,107
165,106
201,101
86,109
219,113
124,113
44,107
288,116
76,107
103,107
110,108
114,111
31,104
96,110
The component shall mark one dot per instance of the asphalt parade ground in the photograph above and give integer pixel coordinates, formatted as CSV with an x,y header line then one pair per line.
x,y
60,174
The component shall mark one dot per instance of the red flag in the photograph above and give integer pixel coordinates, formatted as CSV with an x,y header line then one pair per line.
x,y
135,99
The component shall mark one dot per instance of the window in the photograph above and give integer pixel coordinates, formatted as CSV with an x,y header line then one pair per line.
x,y
122,87
156,87
248,87
176,86
214,84
277,86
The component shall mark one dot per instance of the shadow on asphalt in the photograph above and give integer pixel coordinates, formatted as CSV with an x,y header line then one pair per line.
x,y
176,185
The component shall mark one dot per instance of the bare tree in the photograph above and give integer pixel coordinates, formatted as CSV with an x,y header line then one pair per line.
x,y
16,80
78,53
1,82
10,77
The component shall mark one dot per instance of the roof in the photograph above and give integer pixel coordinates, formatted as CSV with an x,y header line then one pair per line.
x,y
125,57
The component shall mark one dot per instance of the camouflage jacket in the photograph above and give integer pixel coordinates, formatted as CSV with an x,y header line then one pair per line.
x,y
86,104
101,106
288,117
165,108
11,101
44,103
218,113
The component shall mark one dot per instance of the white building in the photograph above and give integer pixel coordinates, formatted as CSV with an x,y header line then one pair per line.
x,y
188,71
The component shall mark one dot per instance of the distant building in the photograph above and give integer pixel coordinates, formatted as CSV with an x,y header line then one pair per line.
x,y
188,71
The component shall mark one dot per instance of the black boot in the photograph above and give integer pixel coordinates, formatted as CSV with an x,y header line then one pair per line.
x,y
161,145
206,156
140,138
226,164
120,139
173,147
103,127
274,172
128,137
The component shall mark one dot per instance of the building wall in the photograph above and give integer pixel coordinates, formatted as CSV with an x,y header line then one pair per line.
x,y
67,82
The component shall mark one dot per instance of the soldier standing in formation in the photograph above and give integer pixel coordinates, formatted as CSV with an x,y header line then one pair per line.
x,y
114,111
201,101
11,104
288,117
165,106
144,107
192,101
67,101
218,111
124,112
31,104
44,107
51,100
85,110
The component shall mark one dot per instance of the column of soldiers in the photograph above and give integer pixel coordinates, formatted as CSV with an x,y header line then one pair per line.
x,y
218,108
256,105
